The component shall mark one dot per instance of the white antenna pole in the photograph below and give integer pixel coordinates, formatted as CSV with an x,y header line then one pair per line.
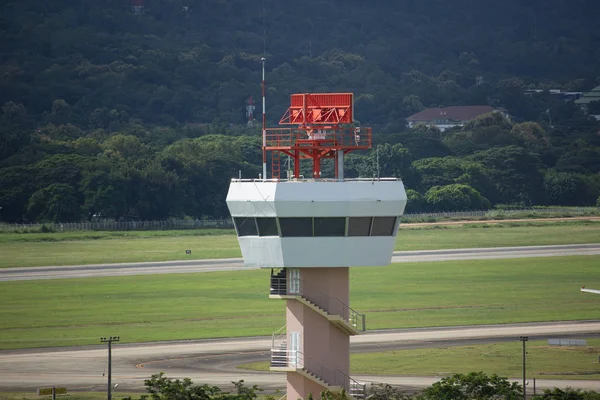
x,y
377,153
264,121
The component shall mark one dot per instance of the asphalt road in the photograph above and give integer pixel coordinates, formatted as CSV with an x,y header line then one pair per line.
x,y
234,264
213,361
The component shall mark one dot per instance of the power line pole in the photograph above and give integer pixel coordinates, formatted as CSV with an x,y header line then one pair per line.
x,y
110,341
522,339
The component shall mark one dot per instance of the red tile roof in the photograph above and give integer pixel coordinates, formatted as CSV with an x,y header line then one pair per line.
x,y
456,113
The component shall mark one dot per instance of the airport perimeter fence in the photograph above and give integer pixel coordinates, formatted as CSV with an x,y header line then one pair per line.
x,y
503,213
227,223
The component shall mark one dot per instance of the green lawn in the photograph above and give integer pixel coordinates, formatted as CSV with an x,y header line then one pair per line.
x,y
503,359
73,248
222,304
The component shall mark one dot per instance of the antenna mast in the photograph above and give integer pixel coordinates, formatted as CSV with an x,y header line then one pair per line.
x,y
264,122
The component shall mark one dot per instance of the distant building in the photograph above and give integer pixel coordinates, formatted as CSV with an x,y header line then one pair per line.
x,y
588,98
566,96
449,117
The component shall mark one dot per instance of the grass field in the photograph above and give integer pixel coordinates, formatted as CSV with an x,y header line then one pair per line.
x,y
222,304
73,248
503,359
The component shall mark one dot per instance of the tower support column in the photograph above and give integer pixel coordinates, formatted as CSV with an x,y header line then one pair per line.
x,y
324,349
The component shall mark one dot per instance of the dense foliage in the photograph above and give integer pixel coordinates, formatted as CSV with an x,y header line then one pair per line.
x,y
472,386
160,387
108,113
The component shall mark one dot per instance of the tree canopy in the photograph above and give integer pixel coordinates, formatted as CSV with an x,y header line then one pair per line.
x,y
110,113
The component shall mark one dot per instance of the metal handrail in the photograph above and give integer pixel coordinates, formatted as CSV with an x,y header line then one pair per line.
x,y
339,137
287,358
332,305
335,377
279,336
331,376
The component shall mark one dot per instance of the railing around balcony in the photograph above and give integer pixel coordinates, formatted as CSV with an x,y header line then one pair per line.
x,y
331,305
278,283
347,137
283,358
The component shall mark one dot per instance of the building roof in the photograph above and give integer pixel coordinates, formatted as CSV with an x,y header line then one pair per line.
x,y
456,113
588,97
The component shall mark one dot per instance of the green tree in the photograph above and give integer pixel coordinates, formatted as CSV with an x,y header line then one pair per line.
x,y
515,174
416,202
388,160
566,189
16,186
473,386
61,112
159,387
455,197
55,203
567,394
530,134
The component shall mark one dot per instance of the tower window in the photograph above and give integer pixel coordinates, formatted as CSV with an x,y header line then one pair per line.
x,y
383,226
245,226
267,226
359,226
296,227
330,226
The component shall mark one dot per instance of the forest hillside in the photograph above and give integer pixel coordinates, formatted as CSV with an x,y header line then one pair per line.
x,y
114,111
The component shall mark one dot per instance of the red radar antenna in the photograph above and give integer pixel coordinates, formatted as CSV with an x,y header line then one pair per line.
x,y
137,6
324,128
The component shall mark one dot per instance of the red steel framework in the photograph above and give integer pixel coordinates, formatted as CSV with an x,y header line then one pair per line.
x,y
324,129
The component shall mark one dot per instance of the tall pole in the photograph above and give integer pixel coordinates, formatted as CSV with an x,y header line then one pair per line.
x,y
524,339
109,340
264,121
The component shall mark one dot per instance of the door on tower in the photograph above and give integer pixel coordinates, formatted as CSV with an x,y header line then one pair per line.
x,y
294,281
295,359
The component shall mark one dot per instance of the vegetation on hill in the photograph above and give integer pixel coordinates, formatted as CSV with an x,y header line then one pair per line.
x,y
108,113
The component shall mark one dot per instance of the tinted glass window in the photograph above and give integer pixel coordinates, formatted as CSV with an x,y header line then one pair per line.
x,y
383,226
245,226
267,227
296,227
330,226
359,226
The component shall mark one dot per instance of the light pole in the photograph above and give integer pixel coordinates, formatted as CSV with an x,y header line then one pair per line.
x,y
524,339
109,340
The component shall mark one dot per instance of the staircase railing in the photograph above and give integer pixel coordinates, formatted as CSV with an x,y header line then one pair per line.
x,y
284,358
335,306
335,377
354,388
332,305
279,337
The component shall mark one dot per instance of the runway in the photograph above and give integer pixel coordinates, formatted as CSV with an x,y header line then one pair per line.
x,y
235,264
213,361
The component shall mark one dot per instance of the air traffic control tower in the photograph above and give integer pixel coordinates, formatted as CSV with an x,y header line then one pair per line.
x,y
309,230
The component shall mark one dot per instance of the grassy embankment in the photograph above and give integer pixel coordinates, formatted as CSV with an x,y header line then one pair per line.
x,y
222,304
73,248
503,359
